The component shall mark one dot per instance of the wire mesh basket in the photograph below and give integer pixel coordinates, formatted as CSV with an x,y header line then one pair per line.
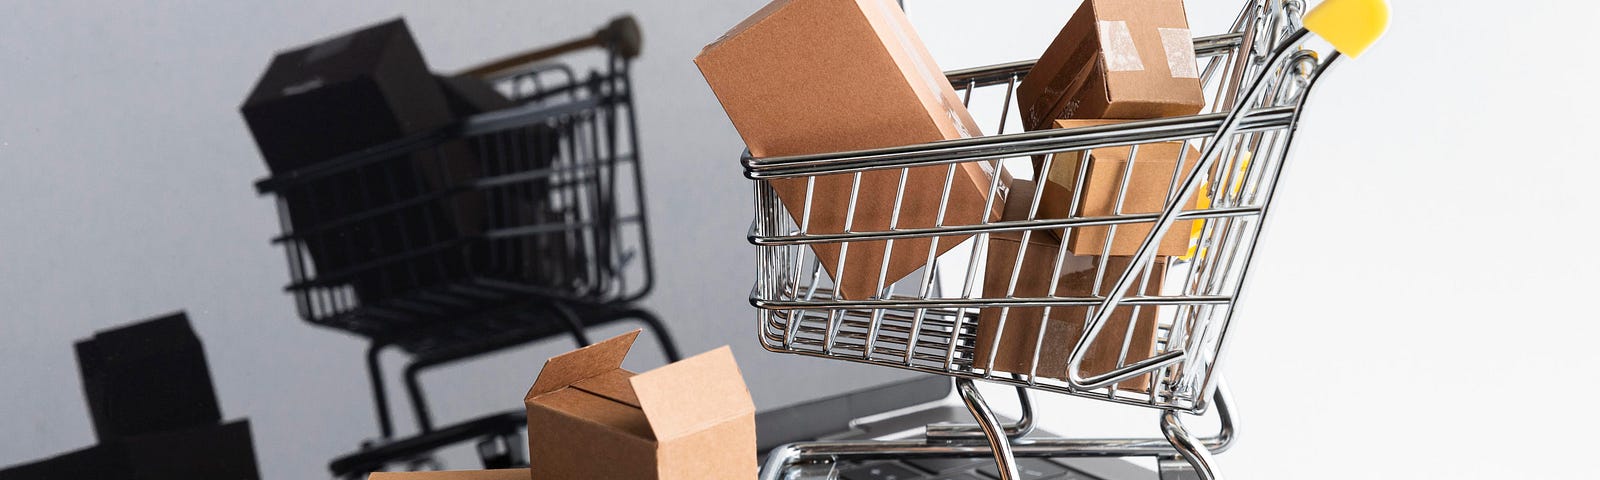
x,y
542,199
1124,293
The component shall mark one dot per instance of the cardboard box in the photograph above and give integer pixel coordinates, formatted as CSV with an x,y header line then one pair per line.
x,y
1147,190
147,377
344,94
1124,59
502,474
1018,339
815,76
691,420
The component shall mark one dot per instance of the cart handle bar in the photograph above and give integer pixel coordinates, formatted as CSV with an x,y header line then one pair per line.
x,y
1351,25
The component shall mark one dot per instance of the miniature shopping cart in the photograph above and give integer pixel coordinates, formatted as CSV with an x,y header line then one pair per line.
x,y
537,229
1257,76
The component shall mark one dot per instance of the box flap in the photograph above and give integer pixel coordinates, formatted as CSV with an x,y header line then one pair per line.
x,y
692,394
569,368
503,474
612,385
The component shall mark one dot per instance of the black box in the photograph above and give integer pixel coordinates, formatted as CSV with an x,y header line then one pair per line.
x,y
346,94
147,377
211,452
99,462
341,95
216,452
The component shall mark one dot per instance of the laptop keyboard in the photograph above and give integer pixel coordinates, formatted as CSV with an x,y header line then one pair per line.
x,y
957,469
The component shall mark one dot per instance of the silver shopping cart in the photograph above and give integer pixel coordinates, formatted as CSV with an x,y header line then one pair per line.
x,y
1258,76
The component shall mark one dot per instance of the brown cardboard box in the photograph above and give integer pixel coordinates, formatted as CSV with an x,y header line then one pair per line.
x,y
816,76
1066,323
1148,188
503,474
1115,59
590,419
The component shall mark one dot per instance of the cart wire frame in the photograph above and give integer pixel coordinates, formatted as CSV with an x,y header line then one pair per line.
x,y
1257,78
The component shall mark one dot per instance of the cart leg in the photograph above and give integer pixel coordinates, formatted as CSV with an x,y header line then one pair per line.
x,y
991,428
419,404
379,400
1189,447
1022,427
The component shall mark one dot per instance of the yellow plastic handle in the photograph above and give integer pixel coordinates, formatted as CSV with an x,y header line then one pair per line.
x,y
1350,25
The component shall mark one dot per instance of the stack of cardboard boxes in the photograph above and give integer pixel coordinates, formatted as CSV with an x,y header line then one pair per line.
x,y
1114,61
815,76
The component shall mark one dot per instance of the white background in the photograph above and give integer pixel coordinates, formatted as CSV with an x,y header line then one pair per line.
x,y
1420,307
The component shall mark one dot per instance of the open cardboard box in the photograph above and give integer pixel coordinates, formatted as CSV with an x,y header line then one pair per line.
x,y
588,418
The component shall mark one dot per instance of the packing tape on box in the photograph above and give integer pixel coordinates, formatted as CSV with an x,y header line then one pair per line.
x,y
1179,45
1116,41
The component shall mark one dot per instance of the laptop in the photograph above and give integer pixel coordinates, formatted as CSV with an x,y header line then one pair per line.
x,y
898,410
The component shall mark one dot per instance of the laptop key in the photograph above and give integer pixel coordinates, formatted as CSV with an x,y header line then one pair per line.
x,y
959,476
881,471
1029,469
945,464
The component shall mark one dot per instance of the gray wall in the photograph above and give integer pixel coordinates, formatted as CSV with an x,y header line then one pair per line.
x,y
127,193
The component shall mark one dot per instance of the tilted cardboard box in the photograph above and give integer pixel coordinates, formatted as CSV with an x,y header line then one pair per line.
x,y
816,76
1150,182
1077,276
590,419
1124,59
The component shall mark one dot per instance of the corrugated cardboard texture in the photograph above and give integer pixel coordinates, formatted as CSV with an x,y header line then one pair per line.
x,y
1123,59
1021,331
704,454
589,418
693,394
505,474
817,76
1148,187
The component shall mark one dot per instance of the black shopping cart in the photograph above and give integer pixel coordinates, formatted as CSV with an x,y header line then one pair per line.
x,y
529,223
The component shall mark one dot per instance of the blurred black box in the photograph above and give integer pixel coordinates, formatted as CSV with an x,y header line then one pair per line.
x,y
211,452
370,227
341,95
147,377
99,462
215,452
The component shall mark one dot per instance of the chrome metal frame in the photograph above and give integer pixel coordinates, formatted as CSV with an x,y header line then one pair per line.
x,y
1258,77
